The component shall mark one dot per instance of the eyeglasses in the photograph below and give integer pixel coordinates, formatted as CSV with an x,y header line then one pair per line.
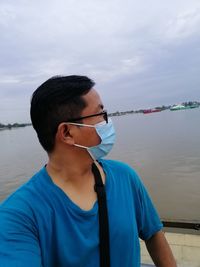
x,y
104,114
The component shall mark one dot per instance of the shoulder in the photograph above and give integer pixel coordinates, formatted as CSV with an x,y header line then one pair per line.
x,y
128,184
116,165
122,171
23,198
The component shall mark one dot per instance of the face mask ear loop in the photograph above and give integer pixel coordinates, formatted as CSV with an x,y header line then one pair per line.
x,y
85,147
81,146
81,124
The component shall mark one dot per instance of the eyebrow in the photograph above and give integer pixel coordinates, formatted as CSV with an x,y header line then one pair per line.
x,y
100,106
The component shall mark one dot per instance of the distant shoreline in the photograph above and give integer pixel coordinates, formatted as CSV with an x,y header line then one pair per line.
x,y
14,125
182,106
185,105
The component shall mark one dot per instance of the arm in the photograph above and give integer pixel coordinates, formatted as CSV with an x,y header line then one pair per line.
x,y
149,226
160,251
19,245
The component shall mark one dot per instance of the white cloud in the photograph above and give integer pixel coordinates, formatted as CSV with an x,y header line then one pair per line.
x,y
9,80
184,25
7,14
118,43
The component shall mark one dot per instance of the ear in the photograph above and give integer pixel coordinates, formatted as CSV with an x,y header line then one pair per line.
x,y
65,133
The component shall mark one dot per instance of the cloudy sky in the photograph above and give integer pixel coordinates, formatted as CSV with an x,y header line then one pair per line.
x,y
140,53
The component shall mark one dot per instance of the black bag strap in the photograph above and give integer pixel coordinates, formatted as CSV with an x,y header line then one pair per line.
x,y
103,218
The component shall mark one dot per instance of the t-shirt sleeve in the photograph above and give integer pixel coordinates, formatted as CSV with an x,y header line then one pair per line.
x,y
148,221
19,245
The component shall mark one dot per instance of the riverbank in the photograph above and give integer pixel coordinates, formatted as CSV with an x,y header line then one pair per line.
x,y
14,125
185,247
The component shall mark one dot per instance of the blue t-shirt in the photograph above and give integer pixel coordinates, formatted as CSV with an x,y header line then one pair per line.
x,y
41,226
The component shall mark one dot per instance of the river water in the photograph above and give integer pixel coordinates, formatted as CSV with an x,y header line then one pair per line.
x,y
163,147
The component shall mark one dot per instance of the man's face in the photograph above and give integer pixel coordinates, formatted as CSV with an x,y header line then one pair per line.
x,y
88,136
94,106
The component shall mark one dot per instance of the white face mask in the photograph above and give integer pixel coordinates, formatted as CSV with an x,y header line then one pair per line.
x,y
106,132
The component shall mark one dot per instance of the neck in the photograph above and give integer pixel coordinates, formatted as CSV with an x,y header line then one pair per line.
x,y
74,168
74,176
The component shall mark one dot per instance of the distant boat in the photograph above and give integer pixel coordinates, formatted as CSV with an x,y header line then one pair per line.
x,y
178,107
194,106
151,110
181,107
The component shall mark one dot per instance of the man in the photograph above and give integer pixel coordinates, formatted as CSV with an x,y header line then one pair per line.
x,y
53,220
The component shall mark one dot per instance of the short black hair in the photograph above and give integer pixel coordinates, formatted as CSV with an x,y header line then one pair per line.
x,y
57,100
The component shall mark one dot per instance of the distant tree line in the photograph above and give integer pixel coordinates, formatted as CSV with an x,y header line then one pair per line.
x,y
14,125
161,108
117,113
